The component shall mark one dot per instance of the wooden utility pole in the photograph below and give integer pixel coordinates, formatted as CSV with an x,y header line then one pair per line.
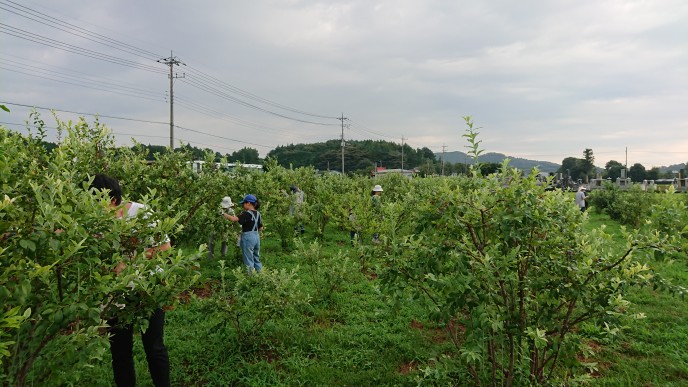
x,y
342,118
172,61
402,153
443,149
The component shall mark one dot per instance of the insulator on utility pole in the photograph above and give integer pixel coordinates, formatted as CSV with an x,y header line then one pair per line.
x,y
172,61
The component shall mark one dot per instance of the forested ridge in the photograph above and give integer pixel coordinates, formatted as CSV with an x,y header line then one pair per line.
x,y
358,155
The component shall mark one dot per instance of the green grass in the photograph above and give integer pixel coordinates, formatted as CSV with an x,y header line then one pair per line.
x,y
353,338
651,351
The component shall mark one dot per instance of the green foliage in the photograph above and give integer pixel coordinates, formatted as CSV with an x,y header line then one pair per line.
x,y
481,270
629,207
510,265
246,302
473,146
669,216
612,170
359,156
637,173
245,155
59,245
330,274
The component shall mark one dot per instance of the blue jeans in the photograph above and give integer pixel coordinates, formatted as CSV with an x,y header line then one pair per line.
x,y
250,247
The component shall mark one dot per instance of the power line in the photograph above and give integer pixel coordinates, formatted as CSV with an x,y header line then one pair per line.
x,y
83,113
211,90
53,22
222,137
366,129
53,12
227,118
87,83
209,79
52,68
117,133
26,35
137,120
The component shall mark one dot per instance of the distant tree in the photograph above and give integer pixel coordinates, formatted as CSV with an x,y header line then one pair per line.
x,y
460,168
427,168
246,156
653,174
488,168
636,172
613,169
426,154
572,167
195,152
587,165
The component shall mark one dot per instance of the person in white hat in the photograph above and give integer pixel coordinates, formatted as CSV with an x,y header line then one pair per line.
x,y
226,207
227,204
377,207
581,197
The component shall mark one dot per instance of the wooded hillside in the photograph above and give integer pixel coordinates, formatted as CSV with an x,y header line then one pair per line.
x,y
358,155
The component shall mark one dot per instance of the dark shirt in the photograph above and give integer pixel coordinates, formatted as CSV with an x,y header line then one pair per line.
x,y
247,222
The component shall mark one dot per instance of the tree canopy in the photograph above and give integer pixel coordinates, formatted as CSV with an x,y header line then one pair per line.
x,y
359,156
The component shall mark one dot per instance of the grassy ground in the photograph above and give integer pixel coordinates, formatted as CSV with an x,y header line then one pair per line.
x,y
650,351
352,338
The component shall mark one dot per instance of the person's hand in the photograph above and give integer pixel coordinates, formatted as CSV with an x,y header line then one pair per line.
x,y
118,269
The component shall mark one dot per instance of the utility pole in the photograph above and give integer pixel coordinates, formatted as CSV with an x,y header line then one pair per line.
x,y
443,148
342,118
172,61
402,154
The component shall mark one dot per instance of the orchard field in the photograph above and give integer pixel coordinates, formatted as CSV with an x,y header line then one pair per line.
x,y
476,280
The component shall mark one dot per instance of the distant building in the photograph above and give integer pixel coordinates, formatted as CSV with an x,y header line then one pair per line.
x,y
198,166
381,171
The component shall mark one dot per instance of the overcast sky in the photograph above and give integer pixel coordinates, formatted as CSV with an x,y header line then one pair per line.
x,y
544,79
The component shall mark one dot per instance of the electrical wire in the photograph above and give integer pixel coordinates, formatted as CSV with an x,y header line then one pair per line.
x,y
84,114
53,22
117,133
209,79
229,118
211,90
366,129
137,120
78,77
222,137
26,35
82,85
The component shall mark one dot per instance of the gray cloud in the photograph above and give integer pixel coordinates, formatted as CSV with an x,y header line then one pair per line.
x,y
545,80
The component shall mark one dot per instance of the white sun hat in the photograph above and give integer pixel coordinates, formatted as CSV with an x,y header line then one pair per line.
x,y
377,188
227,202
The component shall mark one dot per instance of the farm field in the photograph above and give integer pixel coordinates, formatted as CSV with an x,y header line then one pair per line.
x,y
473,279
355,339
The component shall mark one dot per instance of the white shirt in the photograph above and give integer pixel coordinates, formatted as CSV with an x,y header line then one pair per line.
x,y
580,199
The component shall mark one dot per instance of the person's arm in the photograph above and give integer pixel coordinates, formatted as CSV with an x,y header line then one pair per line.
x,y
233,218
150,252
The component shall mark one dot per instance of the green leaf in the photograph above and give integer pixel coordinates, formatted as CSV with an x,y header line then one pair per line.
x,y
28,244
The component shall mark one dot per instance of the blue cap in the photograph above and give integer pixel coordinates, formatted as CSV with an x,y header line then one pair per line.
x,y
249,198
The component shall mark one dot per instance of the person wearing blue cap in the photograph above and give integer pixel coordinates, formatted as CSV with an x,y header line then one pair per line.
x,y
251,223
